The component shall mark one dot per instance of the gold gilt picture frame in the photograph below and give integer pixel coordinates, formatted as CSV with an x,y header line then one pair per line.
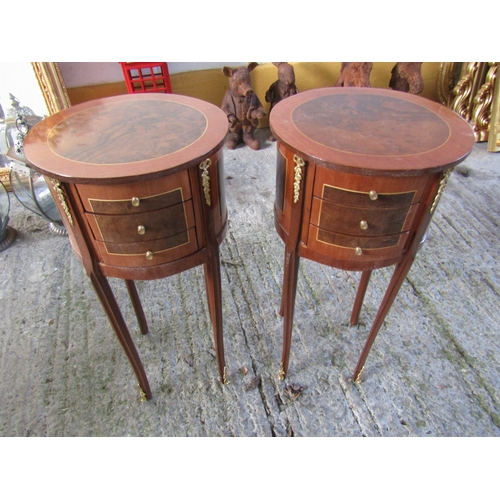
x,y
52,86
475,98
494,135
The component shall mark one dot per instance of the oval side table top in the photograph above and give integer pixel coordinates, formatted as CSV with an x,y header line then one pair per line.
x,y
371,129
141,134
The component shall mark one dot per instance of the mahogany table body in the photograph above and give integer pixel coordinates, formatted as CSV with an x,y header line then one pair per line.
x,y
359,174
138,180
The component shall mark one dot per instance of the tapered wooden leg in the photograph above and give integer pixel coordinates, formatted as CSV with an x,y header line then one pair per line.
x,y
289,291
285,286
108,301
136,303
360,295
214,297
211,305
397,279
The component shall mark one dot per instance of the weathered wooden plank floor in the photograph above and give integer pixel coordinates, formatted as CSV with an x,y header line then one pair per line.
x,y
434,369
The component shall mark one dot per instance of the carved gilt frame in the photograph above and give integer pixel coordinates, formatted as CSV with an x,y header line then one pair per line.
x,y
475,98
448,78
52,86
494,136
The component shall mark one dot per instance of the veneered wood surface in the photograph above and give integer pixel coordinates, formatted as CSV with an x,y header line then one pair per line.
x,y
125,137
161,223
153,194
347,220
362,184
372,130
130,258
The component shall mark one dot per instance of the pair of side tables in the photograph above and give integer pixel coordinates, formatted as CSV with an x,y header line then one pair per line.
x,y
139,182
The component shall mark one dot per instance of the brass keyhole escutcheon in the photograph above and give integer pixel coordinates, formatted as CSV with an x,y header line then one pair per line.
x,y
149,255
358,251
363,225
136,201
373,195
141,230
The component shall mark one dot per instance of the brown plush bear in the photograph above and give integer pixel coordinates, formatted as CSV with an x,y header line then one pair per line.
x,y
283,87
406,77
242,107
355,74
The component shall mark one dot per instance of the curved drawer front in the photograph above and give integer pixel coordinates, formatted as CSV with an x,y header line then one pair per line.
x,y
136,198
365,190
361,221
356,248
370,199
136,204
145,226
147,253
360,218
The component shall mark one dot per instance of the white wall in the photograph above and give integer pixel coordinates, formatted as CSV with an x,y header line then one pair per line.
x,y
18,78
78,74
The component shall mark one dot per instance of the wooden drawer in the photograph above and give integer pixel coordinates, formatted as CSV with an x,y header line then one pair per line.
x,y
371,199
354,249
147,253
361,221
365,190
144,226
136,198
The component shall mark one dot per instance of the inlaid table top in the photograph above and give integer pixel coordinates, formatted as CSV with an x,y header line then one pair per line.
x,y
142,134
367,128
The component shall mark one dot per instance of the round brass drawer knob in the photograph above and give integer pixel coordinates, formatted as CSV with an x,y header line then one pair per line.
x,y
373,195
358,251
363,225
149,255
135,201
141,230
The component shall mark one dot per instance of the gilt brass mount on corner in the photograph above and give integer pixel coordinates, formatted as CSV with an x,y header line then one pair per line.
x,y
205,178
442,185
297,177
60,195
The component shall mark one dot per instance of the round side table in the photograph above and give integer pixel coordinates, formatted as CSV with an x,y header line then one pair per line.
x,y
138,180
359,174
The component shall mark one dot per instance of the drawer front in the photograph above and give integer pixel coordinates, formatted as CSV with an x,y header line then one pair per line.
x,y
356,248
364,190
136,198
145,226
361,221
370,199
147,253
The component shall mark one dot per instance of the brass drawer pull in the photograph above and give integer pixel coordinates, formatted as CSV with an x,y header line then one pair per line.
x,y
373,195
136,201
358,251
149,255
141,230
363,225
